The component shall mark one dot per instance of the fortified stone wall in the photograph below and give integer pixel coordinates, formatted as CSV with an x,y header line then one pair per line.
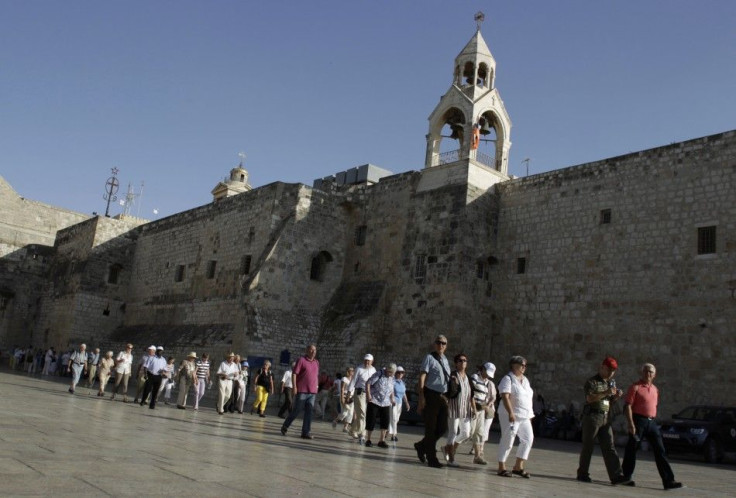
x,y
25,222
632,285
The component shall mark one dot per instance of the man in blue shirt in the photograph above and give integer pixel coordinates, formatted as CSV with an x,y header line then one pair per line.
x,y
434,375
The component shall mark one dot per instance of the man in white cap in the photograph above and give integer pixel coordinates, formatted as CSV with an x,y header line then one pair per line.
x,y
484,397
155,366
140,373
357,384
227,372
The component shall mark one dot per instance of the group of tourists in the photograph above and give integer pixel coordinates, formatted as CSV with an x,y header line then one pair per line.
x,y
454,403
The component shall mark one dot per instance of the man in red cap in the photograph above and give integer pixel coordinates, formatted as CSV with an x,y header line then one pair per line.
x,y
600,392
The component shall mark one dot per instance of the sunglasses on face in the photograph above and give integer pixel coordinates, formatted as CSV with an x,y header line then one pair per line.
x,y
441,343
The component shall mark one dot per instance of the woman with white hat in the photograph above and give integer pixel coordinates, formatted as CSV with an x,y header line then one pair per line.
x,y
187,377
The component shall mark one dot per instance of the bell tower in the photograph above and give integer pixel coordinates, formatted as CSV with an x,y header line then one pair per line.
x,y
470,124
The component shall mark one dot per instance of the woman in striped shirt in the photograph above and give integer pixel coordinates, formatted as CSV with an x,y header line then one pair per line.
x,y
203,378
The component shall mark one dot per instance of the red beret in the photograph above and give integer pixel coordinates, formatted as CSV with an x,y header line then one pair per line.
x,y
611,362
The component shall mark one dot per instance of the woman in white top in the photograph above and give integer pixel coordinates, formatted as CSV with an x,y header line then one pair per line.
x,y
104,372
123,365
346,401
515,415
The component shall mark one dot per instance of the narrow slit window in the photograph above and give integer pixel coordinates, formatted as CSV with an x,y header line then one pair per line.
x,y
707,240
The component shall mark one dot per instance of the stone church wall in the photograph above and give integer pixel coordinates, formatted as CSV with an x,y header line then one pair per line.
x,y
635,287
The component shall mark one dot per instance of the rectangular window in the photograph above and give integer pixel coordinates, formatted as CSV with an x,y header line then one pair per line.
x,y
113,275
245,264
211,267
521,265
420,269
179,275
707,240
605,216
479,269
360,235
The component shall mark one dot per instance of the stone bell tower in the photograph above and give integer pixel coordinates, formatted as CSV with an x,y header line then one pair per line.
x,y
470,124
237,183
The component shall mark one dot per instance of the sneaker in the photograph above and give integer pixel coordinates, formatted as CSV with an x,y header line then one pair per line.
x,y
453,463
382,444
479,460
368,444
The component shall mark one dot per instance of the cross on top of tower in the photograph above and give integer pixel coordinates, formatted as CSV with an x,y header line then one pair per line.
x,y
479,18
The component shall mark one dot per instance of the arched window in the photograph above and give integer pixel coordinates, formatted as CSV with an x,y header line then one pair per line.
x,y
319,266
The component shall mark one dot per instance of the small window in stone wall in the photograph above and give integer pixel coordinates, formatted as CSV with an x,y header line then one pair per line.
x,y
420,269
211,267
605,216
707,240
245,264
360,235
113,274
179,275
520,265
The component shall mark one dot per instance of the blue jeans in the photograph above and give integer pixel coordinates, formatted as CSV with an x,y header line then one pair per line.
x,y
647,428
304,401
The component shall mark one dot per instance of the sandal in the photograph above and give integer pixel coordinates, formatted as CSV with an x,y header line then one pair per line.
x,y
523,473
504,473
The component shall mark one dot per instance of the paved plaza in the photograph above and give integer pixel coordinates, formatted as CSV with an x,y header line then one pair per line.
x,y
55,443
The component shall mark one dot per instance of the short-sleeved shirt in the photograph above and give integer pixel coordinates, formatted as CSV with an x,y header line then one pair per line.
x,y
597,385
125,360
361,376
155,364
399,391
230,370
382,387
438,373
520,393
78,358
643,399
286,379
307,375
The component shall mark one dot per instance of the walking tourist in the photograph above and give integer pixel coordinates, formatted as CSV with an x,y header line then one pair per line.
x,y
434,375
484,398
305,379
123,366
203,379
77,363
400,401
105,369
460,409
264,387
600,392
379,394
357,384
515,415
641,413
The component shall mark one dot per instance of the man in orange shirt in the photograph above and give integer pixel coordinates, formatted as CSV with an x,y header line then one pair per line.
x,y
641,410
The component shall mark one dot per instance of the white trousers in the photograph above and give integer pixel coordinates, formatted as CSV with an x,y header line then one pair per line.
x,y
395,416
226,389
458,430
522,429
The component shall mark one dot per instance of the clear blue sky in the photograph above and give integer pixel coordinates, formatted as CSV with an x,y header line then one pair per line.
x,y
171,91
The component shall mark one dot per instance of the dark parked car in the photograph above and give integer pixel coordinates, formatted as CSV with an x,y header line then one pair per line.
x,y
411,417
709,430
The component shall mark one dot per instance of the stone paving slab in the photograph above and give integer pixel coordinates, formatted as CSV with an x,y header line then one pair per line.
x,y
52,442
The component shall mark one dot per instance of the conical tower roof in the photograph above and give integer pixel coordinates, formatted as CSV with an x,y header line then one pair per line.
x,y
476,46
